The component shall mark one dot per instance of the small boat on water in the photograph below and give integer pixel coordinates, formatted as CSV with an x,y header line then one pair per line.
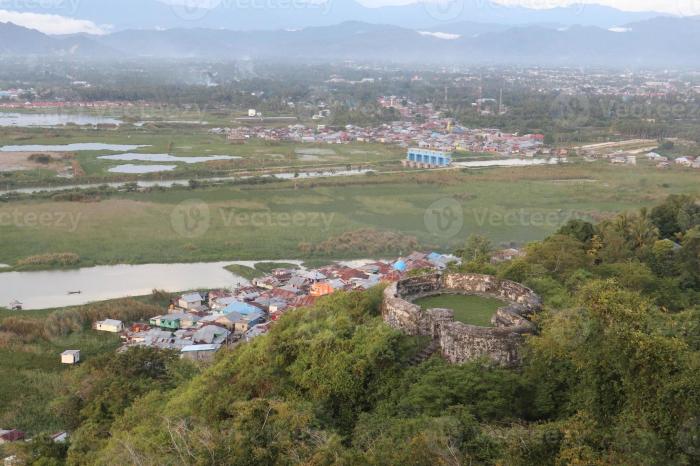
x,y
74,292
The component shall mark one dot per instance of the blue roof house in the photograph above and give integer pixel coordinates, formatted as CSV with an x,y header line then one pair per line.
x,y
240,307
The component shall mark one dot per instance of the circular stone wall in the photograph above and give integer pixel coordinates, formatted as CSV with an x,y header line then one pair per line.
x,y
461,342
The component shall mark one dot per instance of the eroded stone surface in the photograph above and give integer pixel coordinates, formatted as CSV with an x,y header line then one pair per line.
x,y
461,342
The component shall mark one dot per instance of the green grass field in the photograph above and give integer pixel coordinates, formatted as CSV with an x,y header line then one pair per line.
x,y
191,141
273,221
473,310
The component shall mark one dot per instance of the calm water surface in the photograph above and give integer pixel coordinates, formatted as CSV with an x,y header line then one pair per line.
x,y
24,120
48,289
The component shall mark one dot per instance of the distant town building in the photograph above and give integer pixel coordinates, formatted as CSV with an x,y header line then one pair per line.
x,y
236,136
427,158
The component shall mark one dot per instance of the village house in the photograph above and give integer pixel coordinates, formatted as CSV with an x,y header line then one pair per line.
x,y
60,437
211,334
321,289
506,255
248,311
190,301
70,357
257,330
109,325
12,435
200,352
684,161
240,323
240,307
169,321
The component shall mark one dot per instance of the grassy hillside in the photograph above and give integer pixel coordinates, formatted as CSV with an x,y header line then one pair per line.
x,y
609,378
31,342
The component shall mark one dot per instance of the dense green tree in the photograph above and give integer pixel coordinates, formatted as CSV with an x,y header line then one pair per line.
x,y
579,229
477,249
678,213
558,255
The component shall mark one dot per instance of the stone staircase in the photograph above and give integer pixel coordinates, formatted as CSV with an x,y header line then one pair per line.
x,y
425,353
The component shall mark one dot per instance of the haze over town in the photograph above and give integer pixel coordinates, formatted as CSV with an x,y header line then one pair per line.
x,y
385,232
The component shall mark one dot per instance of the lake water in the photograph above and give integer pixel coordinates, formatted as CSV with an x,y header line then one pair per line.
x,y
48,289
180,182
139,169
72,147
129,157
508,163
53,119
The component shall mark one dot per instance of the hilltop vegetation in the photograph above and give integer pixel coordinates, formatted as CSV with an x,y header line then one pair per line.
x,y
31,374
611,377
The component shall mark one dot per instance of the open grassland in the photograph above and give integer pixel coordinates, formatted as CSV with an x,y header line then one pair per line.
x,y
472,310
291,219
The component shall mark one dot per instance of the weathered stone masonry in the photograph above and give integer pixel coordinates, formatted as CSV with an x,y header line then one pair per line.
x,y
460,342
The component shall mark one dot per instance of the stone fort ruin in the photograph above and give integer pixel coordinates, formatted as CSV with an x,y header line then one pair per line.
x,y
459,342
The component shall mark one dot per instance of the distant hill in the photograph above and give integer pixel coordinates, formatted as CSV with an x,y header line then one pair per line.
x,y
653,42
18,41
278,14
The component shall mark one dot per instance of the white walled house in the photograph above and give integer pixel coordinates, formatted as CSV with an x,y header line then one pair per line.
x,y
109,325
70,357
189,301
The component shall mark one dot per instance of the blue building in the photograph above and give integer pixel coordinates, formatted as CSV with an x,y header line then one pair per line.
x,y
241,308
433,158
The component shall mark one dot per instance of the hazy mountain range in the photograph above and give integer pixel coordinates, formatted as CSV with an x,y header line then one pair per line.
x,y
294,14
661,41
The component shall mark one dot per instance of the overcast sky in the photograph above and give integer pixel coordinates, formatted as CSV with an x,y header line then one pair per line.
x,y
666,6
676,7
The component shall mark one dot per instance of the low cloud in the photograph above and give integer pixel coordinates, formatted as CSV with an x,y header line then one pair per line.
x,y
52,24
